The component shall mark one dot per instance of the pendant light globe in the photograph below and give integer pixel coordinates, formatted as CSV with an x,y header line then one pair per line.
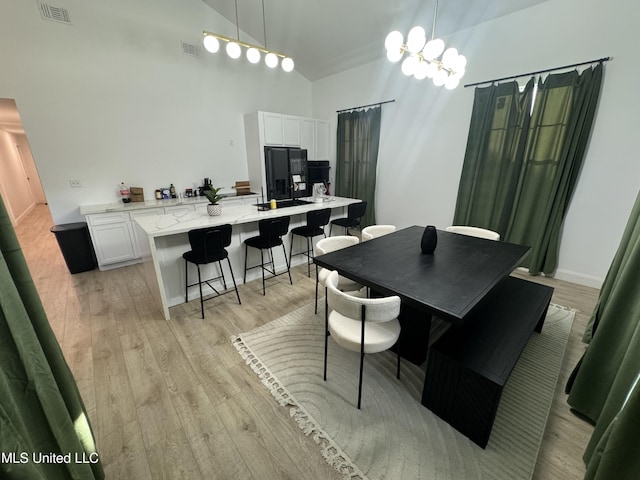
x,y
287,64
211,43
394,41
233,50
433,49
271,59
394,55
253,55
409,65
416,39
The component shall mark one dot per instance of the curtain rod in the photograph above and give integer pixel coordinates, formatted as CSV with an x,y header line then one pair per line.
x,y
599,60
364,106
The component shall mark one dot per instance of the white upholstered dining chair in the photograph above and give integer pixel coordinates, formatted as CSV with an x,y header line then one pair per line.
x,y
375,231
364,325
331,244
474,232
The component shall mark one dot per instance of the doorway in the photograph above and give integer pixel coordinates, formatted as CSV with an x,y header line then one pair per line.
x,y
20,184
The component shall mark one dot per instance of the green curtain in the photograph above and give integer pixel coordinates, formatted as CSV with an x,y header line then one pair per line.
x,y
492,165
41,412
563,114
357,157
602,380
520,169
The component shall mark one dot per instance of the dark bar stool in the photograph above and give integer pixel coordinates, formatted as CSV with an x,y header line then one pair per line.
x,y
316,221
271,232
355,212
208,246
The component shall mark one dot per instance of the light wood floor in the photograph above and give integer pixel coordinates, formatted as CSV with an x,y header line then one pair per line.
x,y
174,400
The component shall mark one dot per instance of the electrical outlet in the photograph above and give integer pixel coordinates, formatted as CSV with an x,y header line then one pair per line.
x,y
75,183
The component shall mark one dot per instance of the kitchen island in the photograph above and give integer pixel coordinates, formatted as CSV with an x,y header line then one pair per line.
x,y
162,239
111,225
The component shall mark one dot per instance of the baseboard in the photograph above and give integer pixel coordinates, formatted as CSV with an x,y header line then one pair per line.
x,y
573,277
25,213
579,278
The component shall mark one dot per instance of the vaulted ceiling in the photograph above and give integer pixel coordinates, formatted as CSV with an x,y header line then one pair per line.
x,y
325,37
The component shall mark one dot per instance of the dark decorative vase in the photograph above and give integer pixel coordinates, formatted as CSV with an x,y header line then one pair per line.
x,y
429,239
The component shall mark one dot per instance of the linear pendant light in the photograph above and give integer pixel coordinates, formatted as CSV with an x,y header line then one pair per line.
x,y
211,42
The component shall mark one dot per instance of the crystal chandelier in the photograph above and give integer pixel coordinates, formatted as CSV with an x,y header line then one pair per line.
x,y
423,58
211,42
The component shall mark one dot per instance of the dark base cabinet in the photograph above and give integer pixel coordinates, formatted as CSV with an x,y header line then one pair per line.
x,y
469,365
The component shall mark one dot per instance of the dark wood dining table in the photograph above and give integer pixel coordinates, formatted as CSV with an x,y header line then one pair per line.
x,y
449,284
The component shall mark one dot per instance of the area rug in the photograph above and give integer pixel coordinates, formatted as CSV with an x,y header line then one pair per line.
x,y
393,436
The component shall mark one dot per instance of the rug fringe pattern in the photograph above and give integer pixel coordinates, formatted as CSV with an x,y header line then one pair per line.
x,y
331,452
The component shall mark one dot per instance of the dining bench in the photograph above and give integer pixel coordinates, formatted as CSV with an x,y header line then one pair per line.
x,y
469,365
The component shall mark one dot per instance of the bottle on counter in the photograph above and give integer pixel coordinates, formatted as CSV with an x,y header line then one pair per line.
x,y
158,194
273,204
124,193
172,189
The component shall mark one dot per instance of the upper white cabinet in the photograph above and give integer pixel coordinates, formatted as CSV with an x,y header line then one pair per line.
x,y
274,129
273,133
308,136
291,130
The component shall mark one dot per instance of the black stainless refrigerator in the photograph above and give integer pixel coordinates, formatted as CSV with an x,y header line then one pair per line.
x,y
286,172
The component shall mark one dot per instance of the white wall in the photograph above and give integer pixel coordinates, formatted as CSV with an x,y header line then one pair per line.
x,y
112,98
424,132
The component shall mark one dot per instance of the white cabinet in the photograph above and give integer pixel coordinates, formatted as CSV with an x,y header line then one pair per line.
x,y
280,129
308,137
272,128
112,238
291,131
115,237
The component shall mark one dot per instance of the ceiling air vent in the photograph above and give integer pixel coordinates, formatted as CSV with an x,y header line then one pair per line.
x,y
54,13
189,49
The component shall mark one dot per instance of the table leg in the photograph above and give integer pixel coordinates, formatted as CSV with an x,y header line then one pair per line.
x,y
414,336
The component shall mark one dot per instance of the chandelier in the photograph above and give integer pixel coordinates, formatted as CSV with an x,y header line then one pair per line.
x,y
212,41
423,59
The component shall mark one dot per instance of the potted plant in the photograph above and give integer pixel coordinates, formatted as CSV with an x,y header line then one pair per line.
x,y
214,208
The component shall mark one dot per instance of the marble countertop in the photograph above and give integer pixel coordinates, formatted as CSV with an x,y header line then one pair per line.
x,y
120,206
181,222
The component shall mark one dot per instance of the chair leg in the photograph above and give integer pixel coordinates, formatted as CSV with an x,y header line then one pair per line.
x,y
224,281
398,347
326,334
316,311
234,281
200,287
309,256
362,317
246,252
186,282
360,379
264,292
288,265
290,249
